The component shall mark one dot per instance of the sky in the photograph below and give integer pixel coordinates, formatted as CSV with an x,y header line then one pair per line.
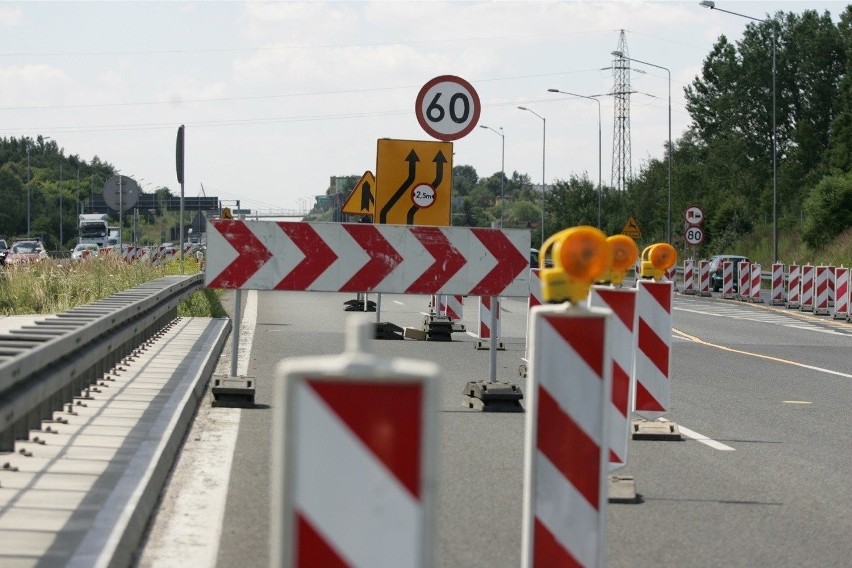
x,y
277,97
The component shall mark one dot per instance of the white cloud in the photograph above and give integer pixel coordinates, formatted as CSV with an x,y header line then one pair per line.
x,y
10,16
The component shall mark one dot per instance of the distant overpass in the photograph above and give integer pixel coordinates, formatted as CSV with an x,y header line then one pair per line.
x,y
272,213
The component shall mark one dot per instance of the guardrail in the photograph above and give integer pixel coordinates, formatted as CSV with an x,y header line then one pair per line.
x,y
45,365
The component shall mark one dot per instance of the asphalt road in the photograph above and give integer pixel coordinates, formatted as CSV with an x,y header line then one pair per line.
x,y
771,390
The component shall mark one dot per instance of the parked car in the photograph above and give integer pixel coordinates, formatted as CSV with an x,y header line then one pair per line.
x,y
4,250
23,252
534,260
716,269
85,250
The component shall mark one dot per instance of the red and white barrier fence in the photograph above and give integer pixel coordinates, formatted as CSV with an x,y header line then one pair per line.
x,y
776,297
689,277
842,293
808,283
566,451
653,355
353,459
794,287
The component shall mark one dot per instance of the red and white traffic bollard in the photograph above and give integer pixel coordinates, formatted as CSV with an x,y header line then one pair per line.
x,y
754,288
822,291
653,355
566,452
777,293
689,277
743,280
486,334
535,299
671,276
704,278
622,347
794,288
451,306
808,282
353,459
728,280
842,288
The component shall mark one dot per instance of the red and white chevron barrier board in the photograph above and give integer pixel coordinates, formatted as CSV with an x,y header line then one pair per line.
x,y
353,471
777,293
704,278
728,280
689,277
822,291
754,288
842,290
352,257
566,454
744,280
622,347
808,283
653,355
794,289
486,304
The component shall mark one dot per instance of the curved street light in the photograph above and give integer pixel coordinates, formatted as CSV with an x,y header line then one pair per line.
x,y
543,142
502,169
712,5
600,187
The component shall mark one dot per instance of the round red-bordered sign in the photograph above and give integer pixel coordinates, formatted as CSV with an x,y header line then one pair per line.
x,y
423,195
447,108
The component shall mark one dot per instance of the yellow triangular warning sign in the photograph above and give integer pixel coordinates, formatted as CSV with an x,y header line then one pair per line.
x,y
362,200
631,229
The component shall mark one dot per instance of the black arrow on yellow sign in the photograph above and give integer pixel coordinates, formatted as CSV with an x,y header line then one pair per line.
x,y
412,160
439,160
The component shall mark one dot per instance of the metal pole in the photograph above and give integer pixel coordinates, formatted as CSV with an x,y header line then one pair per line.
x,y
120,210
29,190
492,347
600,187
238,300
670,157
543,144
60,209
774,155
502,176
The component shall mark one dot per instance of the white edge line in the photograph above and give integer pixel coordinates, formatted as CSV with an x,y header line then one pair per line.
x,y
701,438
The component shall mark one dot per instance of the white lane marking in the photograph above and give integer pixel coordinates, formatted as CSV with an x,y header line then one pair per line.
x,y
701,438
819,329
194,502
797,402
398,302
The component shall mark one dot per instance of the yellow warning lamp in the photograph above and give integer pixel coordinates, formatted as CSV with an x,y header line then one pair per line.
x,y
226,213
624,255
580,255
656,259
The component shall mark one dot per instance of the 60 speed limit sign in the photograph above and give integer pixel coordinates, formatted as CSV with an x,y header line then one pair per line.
x,y
447,108
694,235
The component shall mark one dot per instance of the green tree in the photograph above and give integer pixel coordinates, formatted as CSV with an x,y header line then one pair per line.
x,y
464,180
829,210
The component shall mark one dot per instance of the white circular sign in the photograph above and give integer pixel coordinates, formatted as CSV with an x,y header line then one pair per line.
x,y
694,235
694,215
447,108
423,195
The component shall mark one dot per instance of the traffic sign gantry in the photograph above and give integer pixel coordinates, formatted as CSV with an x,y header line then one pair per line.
x,y
413,182
362,200
358,257
447,107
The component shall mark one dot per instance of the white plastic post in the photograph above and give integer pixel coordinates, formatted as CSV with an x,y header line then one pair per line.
x,y
654,344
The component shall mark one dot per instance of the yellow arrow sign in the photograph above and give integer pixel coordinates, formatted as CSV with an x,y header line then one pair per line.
x,y
362,200
631,229
413,182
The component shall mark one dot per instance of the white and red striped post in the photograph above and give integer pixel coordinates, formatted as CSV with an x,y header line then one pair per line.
x,y
808,283
821,291
535,299
671,275
704,278
743,280
777,293
689,277
728,280
653,354
622,347
487,304
842,290
353,459
451,306
831,270
566,452
794,287
754,288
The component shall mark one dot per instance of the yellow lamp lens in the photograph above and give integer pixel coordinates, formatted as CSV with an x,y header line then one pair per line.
x,y
663,256
584,253
624,252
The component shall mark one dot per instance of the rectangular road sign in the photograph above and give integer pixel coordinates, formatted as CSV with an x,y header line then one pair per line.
x,y
413,182
358,257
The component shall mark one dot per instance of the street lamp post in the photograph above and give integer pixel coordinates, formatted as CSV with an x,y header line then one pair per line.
x,y
29,198
669,73
543,142
712,5
502,169
600,187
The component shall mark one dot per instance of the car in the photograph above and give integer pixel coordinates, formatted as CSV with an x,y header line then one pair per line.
x,y
534,260
85,250
24,252
4,250
716,269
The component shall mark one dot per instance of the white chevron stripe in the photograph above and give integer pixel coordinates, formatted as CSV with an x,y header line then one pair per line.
x,y
362,509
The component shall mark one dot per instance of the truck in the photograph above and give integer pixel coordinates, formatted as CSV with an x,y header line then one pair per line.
x,y
93,228
113,236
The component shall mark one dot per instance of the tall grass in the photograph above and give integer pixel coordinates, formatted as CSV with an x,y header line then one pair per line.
x,y
48,287
791,250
